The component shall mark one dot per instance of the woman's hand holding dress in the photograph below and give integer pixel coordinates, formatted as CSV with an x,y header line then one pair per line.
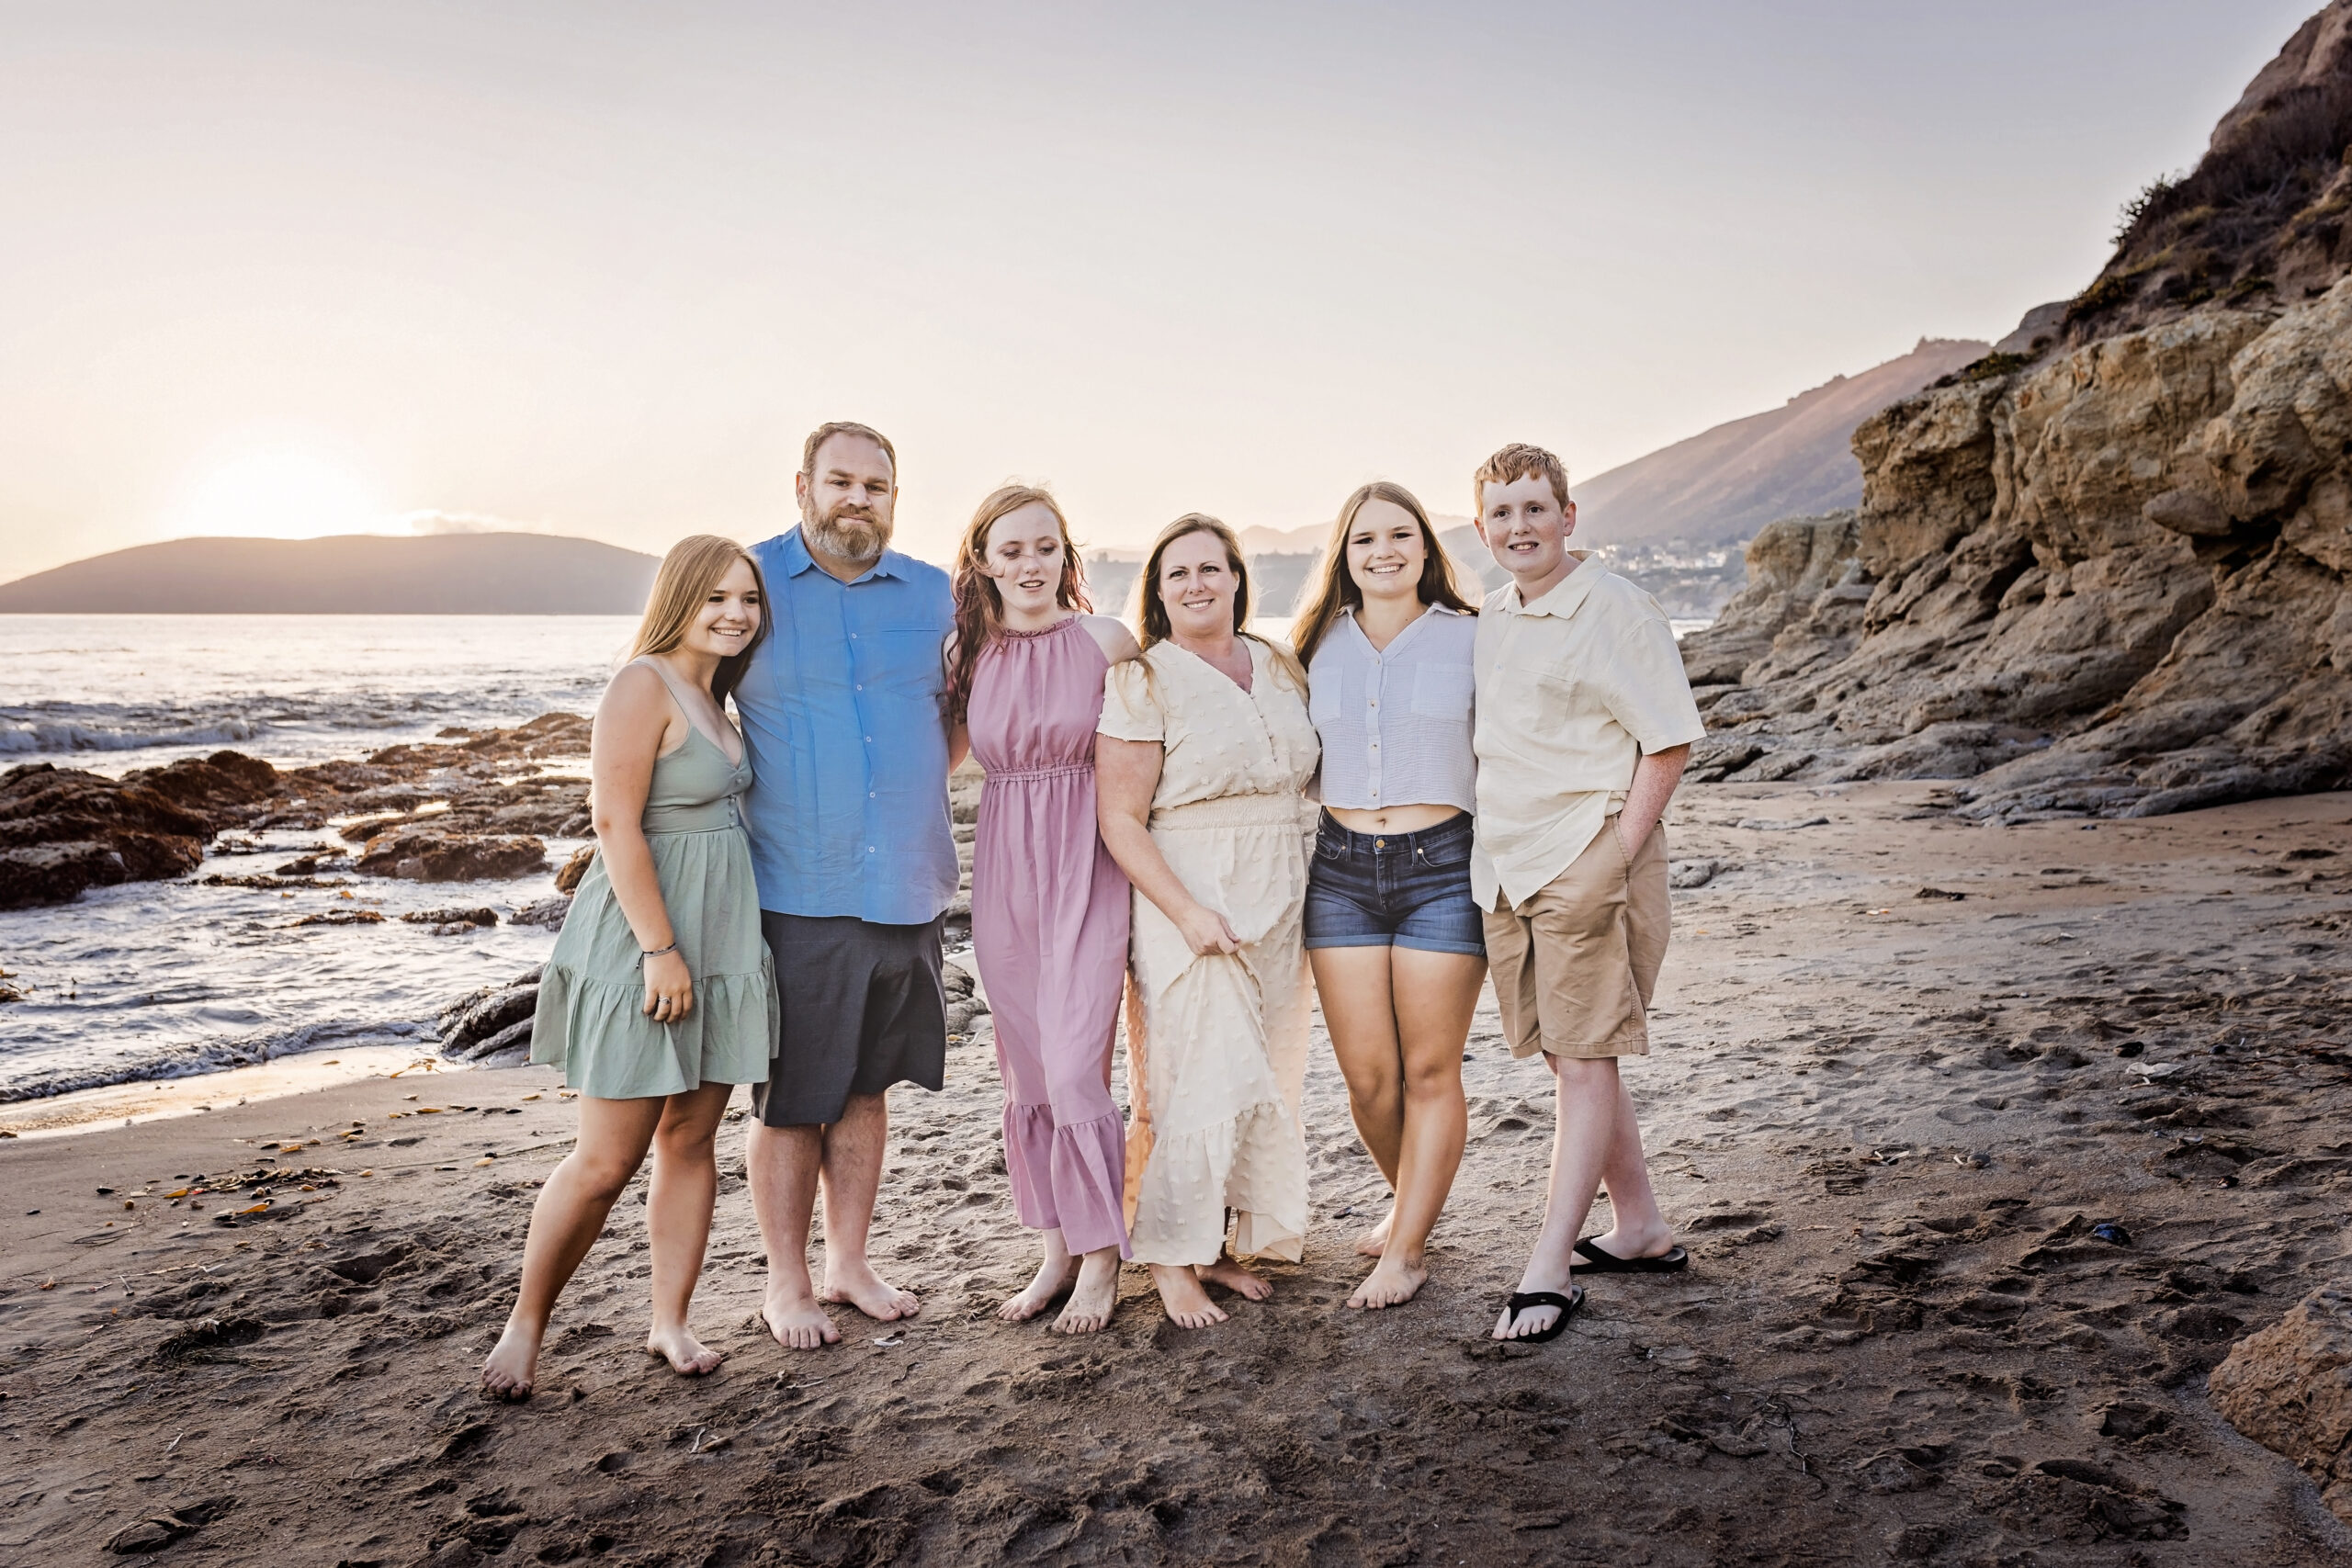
x,y
1206,931
669,987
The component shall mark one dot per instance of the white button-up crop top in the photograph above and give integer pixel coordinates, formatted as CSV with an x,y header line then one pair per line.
x,y
1396,721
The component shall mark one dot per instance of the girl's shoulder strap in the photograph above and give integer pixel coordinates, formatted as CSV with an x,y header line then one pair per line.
x,y
669,681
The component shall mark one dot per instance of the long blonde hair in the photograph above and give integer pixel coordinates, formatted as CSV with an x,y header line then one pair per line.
x,y
692,568
1151,607
979,607
1336,589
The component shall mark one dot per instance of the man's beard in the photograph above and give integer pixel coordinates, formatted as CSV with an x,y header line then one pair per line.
x,y
848,532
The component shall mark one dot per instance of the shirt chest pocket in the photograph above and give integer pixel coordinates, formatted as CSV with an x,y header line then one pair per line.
x,y
1444,691
903,660
1331,696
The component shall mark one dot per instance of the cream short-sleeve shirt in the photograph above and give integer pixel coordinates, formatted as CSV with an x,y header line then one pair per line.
x,y
1572,690
1219,742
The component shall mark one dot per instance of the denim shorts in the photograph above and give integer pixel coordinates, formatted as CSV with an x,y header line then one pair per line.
x,y
1394,890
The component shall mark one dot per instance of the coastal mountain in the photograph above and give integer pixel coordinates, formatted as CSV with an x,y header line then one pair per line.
x,y
447,574
1672,521
1722,485
2107,571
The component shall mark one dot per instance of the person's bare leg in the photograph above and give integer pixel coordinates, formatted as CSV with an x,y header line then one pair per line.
x,y
1179,1291
1054,1277
1637,1228
1096,1295
1227,1271
853,1149
1434,995
565,1222
784,1163
684,1188
1583,1138
1352,985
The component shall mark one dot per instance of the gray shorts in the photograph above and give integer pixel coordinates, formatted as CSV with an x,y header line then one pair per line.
x,y
865,1008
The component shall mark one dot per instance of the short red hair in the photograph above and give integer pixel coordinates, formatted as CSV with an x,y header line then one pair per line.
x,y
1519,461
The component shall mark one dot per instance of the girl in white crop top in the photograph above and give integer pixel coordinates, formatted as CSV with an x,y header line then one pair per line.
x,y
1395,940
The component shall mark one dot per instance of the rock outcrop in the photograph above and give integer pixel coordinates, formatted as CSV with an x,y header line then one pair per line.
x,y
2112,580
62,831
493,1021
465,804
2289,1388
433,855
2112,584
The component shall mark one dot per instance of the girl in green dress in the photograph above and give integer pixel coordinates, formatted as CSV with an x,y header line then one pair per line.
x,y
659,998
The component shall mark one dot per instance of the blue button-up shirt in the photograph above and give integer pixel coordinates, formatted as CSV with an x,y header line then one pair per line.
x,y
848,808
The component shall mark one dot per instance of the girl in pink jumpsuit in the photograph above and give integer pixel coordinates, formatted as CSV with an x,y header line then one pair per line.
x,y
1049,906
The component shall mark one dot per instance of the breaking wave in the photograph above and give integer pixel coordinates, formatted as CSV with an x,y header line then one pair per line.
x,y
194,1059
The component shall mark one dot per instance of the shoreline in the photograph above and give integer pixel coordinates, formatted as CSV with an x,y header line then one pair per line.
x,y
1880,1122
142,1101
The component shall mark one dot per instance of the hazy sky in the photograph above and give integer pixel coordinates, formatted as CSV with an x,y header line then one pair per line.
x,y
597,267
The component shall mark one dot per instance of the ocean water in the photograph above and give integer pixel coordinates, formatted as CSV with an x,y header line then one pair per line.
x,y
112,692
163,979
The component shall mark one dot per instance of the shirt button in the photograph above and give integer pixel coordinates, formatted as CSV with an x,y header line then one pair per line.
x,y
860,688
869,741
869,849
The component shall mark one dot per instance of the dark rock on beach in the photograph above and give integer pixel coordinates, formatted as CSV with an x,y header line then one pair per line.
x,y
548,912
469,804
63,830
490,1019
481,916
568,875
430,854
452,921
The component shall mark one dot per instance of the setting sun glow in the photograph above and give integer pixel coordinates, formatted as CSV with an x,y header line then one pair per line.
x,y
280,495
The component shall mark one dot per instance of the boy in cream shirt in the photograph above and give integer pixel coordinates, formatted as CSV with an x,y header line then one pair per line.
x,y
1584,723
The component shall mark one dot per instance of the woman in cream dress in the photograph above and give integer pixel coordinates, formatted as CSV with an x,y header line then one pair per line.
x,y
1204,753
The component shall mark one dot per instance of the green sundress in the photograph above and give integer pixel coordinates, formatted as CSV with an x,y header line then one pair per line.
x,y
590,1020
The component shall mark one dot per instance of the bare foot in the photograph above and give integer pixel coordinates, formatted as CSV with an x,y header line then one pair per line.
x,y
859,1286
685,1354
1374,1242
1392,1282
1053,1278
1179,1291
1233,1277
1091,1303
798,1323
512,1363
1623,1241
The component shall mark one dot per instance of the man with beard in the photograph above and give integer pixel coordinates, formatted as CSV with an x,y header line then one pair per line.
x,y
856,865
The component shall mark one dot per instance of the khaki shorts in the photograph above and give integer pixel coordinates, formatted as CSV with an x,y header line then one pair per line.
x,y
1575,965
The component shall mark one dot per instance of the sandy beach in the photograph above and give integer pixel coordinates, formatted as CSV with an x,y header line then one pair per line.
x,y
1977,1186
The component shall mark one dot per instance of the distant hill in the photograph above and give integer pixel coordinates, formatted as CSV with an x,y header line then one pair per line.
x,y
447,574
1724,484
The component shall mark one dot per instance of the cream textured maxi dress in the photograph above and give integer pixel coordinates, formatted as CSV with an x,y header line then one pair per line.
x,y
1217,1058
590,1020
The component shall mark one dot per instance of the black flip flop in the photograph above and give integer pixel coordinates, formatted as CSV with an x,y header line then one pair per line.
x,y
1597,1260
1520,1301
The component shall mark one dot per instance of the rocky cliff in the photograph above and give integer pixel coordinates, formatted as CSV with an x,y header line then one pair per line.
x,y
2115,579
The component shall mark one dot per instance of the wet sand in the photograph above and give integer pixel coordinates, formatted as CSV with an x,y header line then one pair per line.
x,y
1888,1126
